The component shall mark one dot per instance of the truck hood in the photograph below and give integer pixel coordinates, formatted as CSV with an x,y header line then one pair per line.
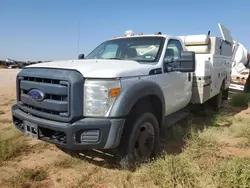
x,y
100,68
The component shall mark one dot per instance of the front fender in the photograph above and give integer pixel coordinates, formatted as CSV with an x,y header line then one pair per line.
x,y
133,93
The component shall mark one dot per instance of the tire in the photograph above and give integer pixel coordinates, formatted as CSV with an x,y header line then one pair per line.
x,y
217,100
140,140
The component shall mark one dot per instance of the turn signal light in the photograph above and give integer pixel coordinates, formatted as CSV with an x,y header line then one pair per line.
x,y
114,92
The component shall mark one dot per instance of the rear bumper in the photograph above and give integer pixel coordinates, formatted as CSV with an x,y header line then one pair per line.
x,y
88,133
235,86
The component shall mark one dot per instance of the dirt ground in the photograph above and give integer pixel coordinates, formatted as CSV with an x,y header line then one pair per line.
x,y
57,169
7,82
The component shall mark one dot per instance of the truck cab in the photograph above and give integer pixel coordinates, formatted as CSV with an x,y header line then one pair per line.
x,y
117,97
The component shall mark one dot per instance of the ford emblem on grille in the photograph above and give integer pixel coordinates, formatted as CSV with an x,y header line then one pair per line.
x,y
36,95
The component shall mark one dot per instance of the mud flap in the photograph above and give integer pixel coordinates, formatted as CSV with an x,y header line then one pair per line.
x,y
225,93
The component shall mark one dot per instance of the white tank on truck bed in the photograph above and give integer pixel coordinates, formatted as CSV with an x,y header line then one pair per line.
x,y
213,63
240,66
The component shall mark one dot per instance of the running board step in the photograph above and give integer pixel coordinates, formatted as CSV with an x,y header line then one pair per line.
x,y
175,117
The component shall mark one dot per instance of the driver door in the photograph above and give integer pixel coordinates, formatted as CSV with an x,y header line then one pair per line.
x,y
177,86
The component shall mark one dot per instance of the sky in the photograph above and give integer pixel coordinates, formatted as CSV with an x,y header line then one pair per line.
x,y
51,30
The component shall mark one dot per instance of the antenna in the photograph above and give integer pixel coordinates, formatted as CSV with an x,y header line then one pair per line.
x,y
78,37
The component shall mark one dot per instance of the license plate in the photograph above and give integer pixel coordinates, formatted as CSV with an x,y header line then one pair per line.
x,y
30,129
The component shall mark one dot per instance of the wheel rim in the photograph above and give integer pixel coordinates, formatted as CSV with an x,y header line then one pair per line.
x,y
145,141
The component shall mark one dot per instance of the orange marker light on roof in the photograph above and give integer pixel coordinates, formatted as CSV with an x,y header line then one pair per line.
x,y
157,33
129,33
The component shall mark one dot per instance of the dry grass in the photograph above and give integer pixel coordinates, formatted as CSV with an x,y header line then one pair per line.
x,y
232,172
196,153
5,120
9,143
8,103
241,128
241,99
34,174
11,148
68,162
200,165
12,144
172,171
28,178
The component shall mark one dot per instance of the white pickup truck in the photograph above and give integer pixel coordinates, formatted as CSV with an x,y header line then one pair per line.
x,y
123,92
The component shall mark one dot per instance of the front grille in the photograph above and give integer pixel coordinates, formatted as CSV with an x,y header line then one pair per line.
x,y
61,88
41,110
50,96
42,80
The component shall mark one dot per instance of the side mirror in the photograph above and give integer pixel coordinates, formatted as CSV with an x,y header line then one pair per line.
x,y
186,63
81,56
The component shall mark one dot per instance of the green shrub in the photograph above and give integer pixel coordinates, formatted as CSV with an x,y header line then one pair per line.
x,y
240,100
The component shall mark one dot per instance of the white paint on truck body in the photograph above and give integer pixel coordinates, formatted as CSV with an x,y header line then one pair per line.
x,y
178,87
101,68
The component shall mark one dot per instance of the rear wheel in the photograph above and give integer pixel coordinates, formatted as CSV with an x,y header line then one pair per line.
x,y
140,140
216,101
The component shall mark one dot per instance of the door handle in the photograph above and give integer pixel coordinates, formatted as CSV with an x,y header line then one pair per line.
x,y
189,76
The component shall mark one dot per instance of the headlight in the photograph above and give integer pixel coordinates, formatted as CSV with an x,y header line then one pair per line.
x,y
99,96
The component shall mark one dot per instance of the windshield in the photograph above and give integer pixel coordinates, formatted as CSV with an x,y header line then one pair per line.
x,y
143,49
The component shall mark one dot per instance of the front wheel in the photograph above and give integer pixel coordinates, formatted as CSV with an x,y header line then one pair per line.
x,y
140,140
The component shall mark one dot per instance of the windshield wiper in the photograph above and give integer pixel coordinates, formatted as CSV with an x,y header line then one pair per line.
x,y
118,58
114,58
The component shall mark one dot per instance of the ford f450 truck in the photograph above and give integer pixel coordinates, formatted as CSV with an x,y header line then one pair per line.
x,y
122,93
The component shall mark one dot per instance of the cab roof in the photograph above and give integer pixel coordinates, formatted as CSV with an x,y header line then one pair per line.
x,y
148,35
131,34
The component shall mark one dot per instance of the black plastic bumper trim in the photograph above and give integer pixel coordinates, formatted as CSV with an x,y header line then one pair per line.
x,y
110,130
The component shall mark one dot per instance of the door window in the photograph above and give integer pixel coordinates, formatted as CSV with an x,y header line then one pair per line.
x,y
173,52
174,49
